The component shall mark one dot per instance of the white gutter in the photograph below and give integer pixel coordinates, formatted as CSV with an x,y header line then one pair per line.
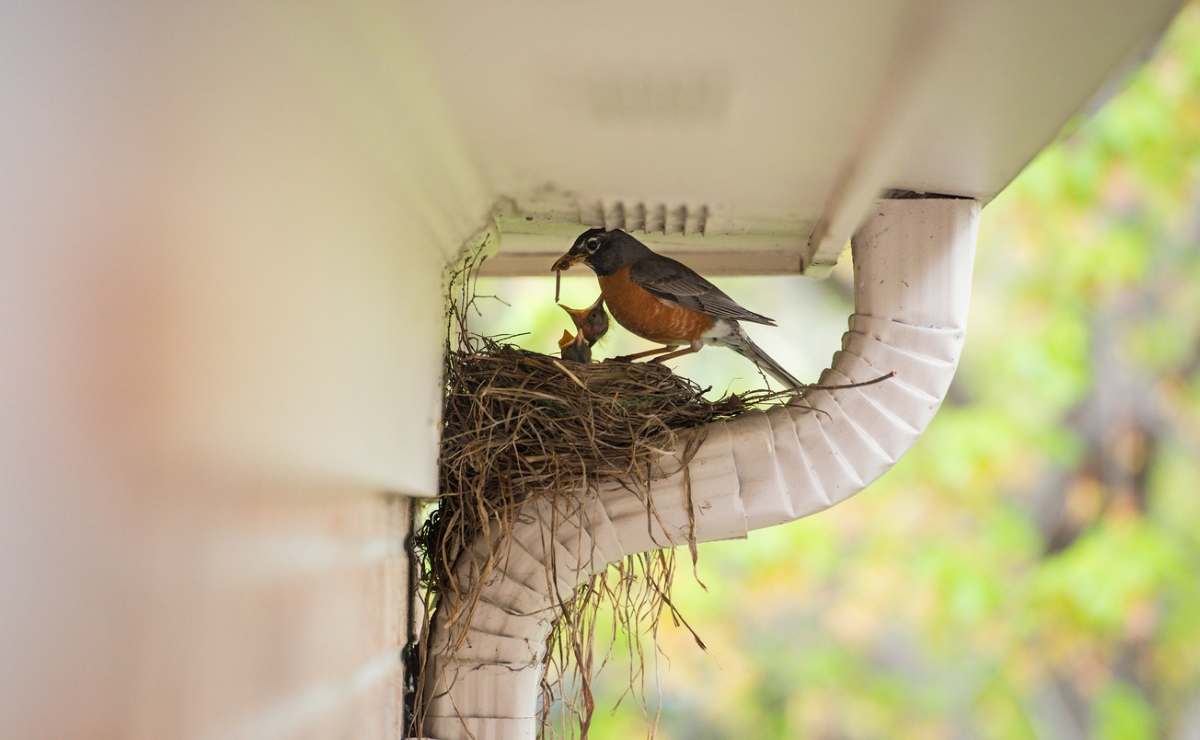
x,y
912,286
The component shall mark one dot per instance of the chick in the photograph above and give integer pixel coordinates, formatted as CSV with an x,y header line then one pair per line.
x,y
574,347
591,323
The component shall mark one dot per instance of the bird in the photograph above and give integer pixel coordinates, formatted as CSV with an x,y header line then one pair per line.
x,y
591,323
574,347
665,301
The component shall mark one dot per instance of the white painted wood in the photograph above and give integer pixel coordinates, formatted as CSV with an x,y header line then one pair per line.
x,y
771,118
912,261
223,233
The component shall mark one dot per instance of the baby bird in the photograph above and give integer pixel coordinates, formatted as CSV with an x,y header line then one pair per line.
x,y
591,323
574,347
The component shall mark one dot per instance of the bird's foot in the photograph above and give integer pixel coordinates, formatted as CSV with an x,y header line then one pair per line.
x,y
695,347
640,355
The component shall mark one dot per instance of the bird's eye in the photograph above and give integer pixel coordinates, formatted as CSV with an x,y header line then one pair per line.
x,y
592,244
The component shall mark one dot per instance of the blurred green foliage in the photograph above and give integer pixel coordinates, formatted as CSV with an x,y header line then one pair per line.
x,y
1032,568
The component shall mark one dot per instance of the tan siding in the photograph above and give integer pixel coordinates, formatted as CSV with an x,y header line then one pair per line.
x,y
270,616
226,229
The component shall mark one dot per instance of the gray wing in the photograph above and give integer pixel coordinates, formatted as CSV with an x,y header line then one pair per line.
x,y
674,281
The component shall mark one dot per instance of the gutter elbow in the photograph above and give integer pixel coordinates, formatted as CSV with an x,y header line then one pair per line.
x,y
913,261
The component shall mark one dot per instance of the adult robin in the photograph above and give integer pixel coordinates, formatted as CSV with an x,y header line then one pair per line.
x,y
591,323
660,299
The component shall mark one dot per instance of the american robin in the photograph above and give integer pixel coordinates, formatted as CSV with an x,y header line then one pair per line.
x,y
574,347
660,299
591,323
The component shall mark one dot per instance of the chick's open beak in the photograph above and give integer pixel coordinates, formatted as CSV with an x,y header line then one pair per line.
x,y
566,261
578,315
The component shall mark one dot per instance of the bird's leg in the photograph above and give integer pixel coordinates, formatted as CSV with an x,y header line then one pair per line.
x,y
695,347
640,355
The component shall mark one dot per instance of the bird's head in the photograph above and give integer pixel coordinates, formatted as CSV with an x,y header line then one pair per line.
x,y
590,322
602,250
567,340
574,348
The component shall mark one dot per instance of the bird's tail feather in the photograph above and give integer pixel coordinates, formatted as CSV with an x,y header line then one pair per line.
x,y
741,343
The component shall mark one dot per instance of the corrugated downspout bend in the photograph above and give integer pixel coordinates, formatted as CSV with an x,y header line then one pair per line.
x,y
912,284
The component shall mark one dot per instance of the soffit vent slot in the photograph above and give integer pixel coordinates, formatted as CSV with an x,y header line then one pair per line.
x,y
617,214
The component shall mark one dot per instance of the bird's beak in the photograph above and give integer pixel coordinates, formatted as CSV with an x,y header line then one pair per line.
x,y
576,314
566,261
567,338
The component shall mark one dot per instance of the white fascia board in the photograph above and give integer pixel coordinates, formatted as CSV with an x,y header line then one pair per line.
x,y
791,118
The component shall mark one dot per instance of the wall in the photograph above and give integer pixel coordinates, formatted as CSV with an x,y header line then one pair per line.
x,y
224,229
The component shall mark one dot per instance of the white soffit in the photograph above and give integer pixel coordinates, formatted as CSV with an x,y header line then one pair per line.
x,y
751,138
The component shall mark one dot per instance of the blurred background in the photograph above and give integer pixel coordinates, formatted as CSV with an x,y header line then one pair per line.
x,y
1032,568
224,230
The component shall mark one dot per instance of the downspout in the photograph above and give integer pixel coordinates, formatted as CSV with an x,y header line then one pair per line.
x,y
912,285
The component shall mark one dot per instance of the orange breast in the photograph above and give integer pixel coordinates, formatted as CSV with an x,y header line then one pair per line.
x,y
647,316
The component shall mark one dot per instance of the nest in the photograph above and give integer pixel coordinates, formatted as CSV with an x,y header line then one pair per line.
x,y
518,425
